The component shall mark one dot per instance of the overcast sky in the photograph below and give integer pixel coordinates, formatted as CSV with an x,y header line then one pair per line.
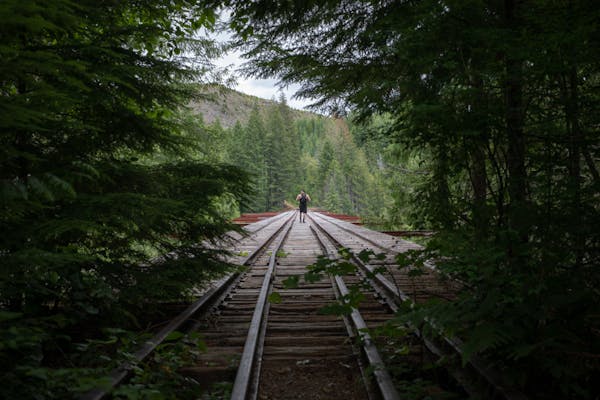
x,y
265,88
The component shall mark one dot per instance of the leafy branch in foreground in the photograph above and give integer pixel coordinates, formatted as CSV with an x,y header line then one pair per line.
x,y
499,101
331,267
90,93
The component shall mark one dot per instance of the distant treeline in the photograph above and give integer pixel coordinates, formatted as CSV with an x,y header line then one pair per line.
x,y
318,154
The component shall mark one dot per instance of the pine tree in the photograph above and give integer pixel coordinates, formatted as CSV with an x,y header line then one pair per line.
x,y
254,158
89,92
326,157
501,97
281,154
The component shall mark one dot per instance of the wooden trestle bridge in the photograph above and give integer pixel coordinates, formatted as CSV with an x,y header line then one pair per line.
x,y
287,349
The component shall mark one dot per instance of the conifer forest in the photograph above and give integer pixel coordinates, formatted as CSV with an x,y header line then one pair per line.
x,y
478,120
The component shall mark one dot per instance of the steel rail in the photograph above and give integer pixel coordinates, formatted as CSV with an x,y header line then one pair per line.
x,y
389,292
349,327
384,380
254,338
382,377
120,373
384,288
337,223
259,225
355,348
389,288
333,221
490,374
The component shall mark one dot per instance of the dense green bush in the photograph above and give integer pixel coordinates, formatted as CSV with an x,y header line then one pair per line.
x,y
90,92
500,100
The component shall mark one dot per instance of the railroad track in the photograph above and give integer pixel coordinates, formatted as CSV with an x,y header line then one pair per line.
x,y
290,351
284,348
397,285
402,283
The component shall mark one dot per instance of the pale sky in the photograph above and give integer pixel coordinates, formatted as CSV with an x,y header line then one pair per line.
x,y
265,88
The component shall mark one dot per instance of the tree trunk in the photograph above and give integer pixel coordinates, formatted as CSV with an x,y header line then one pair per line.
x,y
575,141
517,174
479,184
478,169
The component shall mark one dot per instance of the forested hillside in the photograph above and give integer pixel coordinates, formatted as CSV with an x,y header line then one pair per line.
x,y
100,173
492,110
118,173
287,150
228,106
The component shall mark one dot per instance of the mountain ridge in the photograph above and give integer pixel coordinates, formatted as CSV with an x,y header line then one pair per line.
x,y
229,106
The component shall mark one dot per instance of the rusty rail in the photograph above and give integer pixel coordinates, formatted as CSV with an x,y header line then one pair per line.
x,y
120,373
259,319
483,367
382,376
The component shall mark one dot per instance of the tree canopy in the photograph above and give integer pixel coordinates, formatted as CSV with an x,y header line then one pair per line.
x,y
91,92
477,119
499,100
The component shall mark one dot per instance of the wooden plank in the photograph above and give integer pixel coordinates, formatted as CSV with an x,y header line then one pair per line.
x,y
242,379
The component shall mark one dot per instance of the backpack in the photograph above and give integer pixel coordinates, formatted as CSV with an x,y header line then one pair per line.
x,y
303,199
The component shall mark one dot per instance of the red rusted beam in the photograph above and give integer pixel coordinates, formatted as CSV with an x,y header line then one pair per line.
x,y
409,233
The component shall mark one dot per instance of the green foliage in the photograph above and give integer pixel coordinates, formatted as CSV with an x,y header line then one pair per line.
x,y
274,298
286,153
281,254
484,115
90,361
399,171
105,194
348,184
325,266
159,377
267,147
345,304
291,282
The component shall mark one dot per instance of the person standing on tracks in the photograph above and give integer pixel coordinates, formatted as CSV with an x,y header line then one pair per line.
x,y
303,198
